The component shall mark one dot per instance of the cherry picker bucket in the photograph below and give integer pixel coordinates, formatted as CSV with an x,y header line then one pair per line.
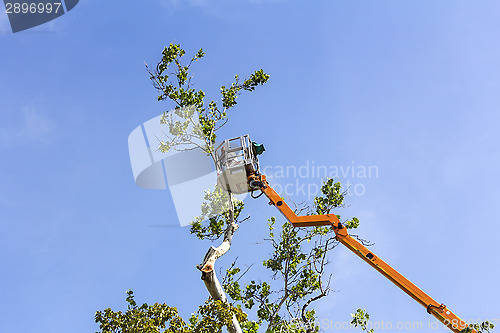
x,y
236,160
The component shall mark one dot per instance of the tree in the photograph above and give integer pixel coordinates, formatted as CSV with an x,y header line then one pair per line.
x,y
283,303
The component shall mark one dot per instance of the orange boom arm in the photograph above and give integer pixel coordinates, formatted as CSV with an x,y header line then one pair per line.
x,y
440,311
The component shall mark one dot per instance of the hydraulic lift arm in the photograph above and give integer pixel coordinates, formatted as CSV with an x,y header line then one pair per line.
x,y
440,311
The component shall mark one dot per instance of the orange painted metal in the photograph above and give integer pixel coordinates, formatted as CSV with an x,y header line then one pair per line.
x,y
440,311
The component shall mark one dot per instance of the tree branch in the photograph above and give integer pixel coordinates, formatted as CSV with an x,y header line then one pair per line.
x,y
207,267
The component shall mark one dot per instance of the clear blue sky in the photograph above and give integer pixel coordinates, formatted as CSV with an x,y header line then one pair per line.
x,y
408,87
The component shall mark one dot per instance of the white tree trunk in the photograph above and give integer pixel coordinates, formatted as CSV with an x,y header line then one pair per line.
x,y
207,267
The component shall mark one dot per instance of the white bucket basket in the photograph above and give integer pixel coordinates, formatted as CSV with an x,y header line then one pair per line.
x,y
235,162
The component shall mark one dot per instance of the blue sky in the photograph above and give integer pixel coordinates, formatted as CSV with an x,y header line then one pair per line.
x,y
408,87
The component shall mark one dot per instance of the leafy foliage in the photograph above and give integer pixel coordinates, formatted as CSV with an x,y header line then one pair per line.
x,y
215,215
333,197
485,326
210,318
176,86
360,319
298,269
